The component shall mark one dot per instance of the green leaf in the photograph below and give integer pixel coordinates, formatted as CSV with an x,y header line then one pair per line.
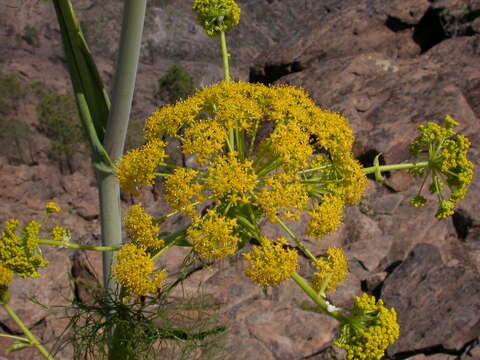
x,y
92,100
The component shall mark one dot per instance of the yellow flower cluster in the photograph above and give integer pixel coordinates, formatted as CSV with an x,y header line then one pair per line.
x,y
51,208
204,139
237,108
6,276
231,179
134,269
181,190
291,144
334,270
217,16
284,196
141,229
138,167
213,236
372,329
261,152
170,118
60,234
448,164
332,132
271,263
326,217
20,254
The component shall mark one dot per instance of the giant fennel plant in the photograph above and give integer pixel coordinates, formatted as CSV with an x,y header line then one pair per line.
x,y
259,153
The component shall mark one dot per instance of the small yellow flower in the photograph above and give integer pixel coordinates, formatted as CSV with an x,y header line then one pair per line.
x,y
231,179
373,328
138,167
6,276
51,208
271,263
213,236
182,190
326,217
134,269
334,270
141,228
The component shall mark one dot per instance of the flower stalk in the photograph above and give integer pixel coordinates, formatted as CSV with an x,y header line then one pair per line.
x,y
78,246
33,340
385,168
295,238
225,56
319,300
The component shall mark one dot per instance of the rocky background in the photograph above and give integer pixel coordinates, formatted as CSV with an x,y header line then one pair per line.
x,y
386,65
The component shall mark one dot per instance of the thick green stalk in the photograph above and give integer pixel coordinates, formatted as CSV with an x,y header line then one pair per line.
x,y
384,168
79,247
225,55
320,301
123,87
33,340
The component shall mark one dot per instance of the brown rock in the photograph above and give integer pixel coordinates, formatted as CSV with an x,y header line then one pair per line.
x,y
297,334
436,304
364,240
410,11
374,280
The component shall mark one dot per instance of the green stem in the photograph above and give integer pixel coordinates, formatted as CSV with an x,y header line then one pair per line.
x,y
79,247
162,174
124,85
239,138
33,340
270,166
223,45
296,239
384,168
259,155
320,301
252,142
168,246
168,166
19,338
251,228
176,212
231,140
314,169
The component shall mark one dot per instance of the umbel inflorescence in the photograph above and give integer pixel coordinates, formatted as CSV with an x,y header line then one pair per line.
x,y
20,253
258,152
